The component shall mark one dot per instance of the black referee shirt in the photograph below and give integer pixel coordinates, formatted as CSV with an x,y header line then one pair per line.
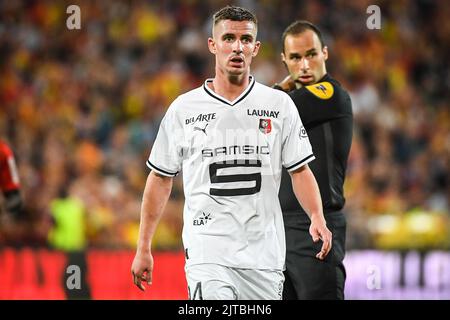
x,y
326,112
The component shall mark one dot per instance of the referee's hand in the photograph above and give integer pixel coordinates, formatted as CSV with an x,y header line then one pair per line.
x,y
287,84
319,231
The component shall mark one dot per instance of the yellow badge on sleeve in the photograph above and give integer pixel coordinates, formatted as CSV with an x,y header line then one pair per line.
x,y
322,90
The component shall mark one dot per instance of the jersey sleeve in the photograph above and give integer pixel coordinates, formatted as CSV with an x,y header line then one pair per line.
x,y
321,102
166,154
297,150
9,176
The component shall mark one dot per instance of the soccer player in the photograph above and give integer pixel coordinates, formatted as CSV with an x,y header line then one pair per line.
x,y
9,180
326,112
230,137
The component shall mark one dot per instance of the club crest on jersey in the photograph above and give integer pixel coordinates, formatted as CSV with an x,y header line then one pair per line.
x,y
265,125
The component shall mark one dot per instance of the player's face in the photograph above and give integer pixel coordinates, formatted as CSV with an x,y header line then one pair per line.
x,y
234,44
304,57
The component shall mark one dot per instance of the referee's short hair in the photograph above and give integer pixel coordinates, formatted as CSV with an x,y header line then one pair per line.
x,y
300,26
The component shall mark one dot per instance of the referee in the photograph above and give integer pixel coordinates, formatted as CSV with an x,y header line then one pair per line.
x,y
326,112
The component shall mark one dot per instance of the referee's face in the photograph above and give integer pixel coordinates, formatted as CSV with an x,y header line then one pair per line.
x,y
304,57
234,45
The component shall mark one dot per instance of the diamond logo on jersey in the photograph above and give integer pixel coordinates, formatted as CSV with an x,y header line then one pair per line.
x,y
265,125
303,133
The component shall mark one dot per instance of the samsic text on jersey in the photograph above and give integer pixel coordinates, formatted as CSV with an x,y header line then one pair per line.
x,y
231,154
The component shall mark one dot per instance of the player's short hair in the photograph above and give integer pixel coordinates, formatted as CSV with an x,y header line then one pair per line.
x,y
300,26
234,13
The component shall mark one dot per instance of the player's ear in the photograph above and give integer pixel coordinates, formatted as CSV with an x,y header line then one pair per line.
x,y
256,48
325,53
212,45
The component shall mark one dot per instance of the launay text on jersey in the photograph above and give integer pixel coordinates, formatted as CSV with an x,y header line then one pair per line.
x,y
263,113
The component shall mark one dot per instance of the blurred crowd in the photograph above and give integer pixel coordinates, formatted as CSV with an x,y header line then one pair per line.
x,y
81,109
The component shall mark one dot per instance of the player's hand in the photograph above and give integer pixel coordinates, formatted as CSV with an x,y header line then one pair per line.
x,y
287,84
142,269
319,231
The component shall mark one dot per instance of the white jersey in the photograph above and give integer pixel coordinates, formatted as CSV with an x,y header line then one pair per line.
x,y
231,154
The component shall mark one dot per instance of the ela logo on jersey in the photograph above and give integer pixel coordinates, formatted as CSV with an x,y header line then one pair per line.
x,y
203,219
265,125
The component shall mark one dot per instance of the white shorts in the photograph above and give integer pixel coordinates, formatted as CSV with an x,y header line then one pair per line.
x,y
216,282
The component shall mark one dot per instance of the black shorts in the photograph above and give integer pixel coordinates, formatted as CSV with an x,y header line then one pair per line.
x,y
306,276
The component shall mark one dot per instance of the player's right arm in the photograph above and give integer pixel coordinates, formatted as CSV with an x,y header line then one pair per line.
x,y
165,162
156,194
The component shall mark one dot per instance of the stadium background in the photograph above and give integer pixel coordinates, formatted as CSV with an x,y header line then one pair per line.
x,y
81,109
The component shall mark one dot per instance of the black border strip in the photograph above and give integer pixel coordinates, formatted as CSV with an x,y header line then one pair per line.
x,y
300,162
158,169
215,97
252,84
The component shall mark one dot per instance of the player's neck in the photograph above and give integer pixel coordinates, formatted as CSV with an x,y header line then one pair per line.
x,y
230,87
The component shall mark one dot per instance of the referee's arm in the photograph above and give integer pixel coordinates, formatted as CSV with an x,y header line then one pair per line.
x,y
286,85
307,192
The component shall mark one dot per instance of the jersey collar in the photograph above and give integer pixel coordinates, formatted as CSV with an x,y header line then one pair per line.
x,y
226,101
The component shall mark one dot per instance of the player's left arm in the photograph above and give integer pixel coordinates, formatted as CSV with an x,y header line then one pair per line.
x,y
307,192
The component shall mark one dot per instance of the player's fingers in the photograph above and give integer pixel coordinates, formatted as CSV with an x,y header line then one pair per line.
x,y
326,246
149,277
315,235
137,282
140,285
321,254
326,243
